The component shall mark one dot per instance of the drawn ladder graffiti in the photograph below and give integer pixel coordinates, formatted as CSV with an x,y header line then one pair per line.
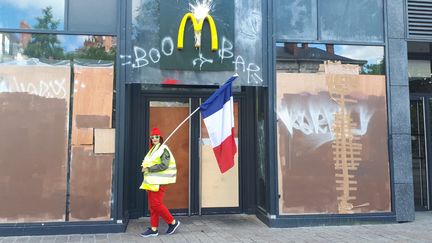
x,y
347,149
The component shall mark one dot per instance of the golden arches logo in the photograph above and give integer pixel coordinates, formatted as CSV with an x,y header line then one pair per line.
x,y
197,30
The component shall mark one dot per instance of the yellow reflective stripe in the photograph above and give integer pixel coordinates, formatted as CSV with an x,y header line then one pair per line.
x,y
160,180
161,175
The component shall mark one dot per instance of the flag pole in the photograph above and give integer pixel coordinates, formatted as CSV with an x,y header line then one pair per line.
x,y
187,118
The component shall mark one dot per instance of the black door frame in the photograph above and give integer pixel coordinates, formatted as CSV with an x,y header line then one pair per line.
x,y
137,202
425,98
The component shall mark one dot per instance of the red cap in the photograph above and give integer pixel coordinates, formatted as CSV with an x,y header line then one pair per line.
x,y
155,131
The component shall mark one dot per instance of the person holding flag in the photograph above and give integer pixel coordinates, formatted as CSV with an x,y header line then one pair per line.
x,y
159,165
159,169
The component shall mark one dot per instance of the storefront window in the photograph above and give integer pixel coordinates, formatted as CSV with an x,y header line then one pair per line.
x,y
57,143
332,129
34,14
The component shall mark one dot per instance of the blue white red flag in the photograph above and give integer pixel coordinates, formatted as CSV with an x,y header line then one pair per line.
x,y
218,114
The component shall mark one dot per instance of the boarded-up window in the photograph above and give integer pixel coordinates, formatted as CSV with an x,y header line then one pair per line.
x,y
91,170
34,111
332,133
45,81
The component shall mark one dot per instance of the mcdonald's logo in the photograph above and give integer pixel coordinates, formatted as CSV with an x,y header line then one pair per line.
x,y
197,25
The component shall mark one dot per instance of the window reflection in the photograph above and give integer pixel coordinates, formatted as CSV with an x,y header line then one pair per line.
x,y
50,47
34,14
308,58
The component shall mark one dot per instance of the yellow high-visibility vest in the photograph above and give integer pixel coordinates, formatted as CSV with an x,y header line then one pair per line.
x,y
152,180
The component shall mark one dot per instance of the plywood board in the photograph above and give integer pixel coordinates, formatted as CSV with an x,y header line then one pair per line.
x,y
33,146
33,158
44,81
332,144
82,136
93,98
90,185
104,141
177,195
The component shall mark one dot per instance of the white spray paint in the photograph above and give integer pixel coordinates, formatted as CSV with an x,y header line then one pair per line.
x,y
315,119
43,88
143,58
201,60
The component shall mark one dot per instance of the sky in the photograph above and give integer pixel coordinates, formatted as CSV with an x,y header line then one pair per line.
x,y
12,12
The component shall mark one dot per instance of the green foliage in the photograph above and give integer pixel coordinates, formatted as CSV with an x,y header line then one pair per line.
x,y
96,53
48,46
375,69
45,45
47,22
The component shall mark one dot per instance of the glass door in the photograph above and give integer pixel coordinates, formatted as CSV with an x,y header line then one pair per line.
x,y
167,115
419,142
200,188
218,192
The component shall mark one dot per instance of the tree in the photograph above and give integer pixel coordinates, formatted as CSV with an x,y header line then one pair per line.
x,y
45,45
376,69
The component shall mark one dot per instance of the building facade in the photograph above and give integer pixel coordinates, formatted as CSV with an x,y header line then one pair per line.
x,y
331,109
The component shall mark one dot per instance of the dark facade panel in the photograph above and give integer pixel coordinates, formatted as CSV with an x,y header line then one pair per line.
x,y
359,21
148,48
296,20
92,16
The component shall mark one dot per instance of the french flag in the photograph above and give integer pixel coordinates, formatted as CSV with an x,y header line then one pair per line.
x,y
218,115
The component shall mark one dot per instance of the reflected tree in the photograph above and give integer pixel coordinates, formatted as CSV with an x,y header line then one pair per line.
x,y
95,48
145,28
45,45
375,69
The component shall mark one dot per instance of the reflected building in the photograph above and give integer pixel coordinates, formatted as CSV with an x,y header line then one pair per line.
x,y
292,58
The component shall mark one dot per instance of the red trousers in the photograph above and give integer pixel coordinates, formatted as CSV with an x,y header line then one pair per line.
x,y
157,208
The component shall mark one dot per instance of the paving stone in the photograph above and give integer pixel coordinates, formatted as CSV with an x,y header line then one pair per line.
x,y
9,239
246,228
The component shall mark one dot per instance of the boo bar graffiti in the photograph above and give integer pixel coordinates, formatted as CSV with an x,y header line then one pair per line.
x,y
145,57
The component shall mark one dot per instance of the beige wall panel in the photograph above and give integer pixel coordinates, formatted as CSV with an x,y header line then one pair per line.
x,y
297,83
104,141
218,190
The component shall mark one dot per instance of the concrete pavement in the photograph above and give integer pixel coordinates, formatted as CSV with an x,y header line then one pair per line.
x,y
247,228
